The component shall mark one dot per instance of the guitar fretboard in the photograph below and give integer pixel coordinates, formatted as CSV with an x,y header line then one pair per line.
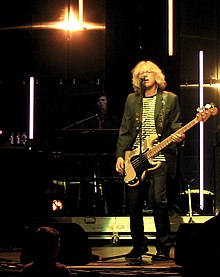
x,y
156,149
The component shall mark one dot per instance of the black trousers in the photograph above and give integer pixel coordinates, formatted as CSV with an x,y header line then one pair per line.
x,y
156,189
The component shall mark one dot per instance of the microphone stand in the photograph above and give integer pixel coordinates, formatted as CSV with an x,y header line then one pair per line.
x,y
81,121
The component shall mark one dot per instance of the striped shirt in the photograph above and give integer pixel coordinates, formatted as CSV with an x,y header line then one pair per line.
x,y
148,124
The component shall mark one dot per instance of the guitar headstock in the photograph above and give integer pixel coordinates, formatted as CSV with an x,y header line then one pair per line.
x,y
206,111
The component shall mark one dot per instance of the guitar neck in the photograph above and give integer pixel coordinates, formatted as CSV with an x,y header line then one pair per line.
x,y
157,148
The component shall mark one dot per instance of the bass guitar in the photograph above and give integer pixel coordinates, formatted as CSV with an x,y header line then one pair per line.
x,y
133,158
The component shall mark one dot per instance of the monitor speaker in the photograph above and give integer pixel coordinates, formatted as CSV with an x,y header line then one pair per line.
x,y
197,247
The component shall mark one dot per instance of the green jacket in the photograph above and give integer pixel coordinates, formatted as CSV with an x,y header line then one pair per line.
x,y
171,122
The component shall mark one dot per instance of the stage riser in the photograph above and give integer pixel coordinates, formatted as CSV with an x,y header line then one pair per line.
x,y
98,229
119,228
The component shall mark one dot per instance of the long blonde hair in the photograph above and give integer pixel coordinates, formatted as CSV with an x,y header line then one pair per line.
x,y
144,66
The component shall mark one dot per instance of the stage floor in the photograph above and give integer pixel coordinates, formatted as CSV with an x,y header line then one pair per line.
x,y
109,238
10,263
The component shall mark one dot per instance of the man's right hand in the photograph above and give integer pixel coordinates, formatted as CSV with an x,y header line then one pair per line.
x,y
120,165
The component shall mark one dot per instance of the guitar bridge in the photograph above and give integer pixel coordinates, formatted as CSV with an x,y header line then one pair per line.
x,y
133,182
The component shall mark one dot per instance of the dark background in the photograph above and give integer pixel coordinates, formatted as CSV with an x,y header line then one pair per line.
x,y
71,69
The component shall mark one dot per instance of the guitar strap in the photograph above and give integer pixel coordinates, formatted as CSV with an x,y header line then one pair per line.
x,y
162,113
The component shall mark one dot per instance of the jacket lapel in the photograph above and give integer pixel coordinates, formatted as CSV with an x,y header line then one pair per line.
x,y
158,106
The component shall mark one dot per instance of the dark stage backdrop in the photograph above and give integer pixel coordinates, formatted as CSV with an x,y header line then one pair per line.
x,y
71,69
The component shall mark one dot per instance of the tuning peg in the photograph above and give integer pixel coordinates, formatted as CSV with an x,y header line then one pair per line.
x,y
199,109
208,106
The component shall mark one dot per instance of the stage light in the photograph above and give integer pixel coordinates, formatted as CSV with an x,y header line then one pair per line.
x,y
201,132
170,27
31,109
70,20
57,205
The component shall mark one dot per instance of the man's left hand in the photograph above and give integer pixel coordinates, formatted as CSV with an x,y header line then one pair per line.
x,y
178,137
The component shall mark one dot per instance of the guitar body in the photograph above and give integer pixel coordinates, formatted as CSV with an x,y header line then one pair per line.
x,y
132,162
133,159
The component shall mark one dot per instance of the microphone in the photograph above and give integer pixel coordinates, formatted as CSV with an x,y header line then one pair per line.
x,y
142,79
99,112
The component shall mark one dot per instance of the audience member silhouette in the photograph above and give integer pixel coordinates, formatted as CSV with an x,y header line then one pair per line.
x,y
46,248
